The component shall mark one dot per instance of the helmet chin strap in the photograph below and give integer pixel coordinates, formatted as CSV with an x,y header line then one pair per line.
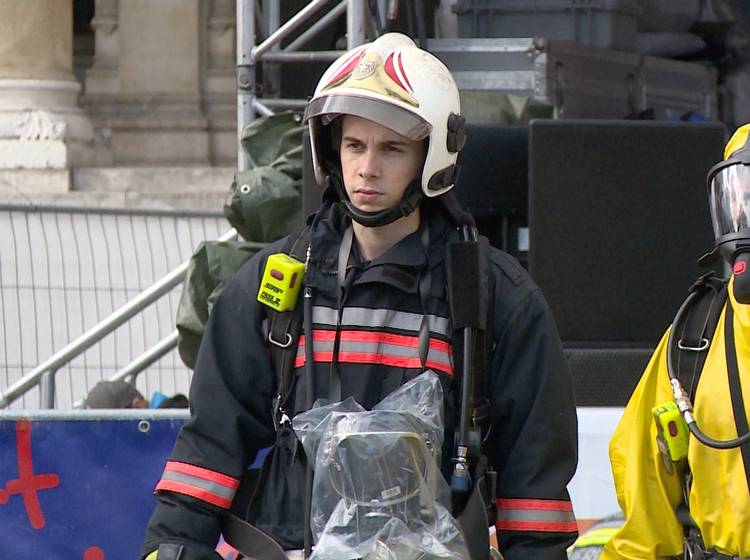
x,y
410,201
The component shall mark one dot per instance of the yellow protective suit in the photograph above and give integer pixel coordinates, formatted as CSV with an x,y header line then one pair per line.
x,y
719,499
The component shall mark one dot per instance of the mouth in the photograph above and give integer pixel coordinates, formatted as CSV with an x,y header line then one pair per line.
x,y
366,196
366,191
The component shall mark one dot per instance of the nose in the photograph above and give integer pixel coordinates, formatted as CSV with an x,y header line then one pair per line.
x,y
369,165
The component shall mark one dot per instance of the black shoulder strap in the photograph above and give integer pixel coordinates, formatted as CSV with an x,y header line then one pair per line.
x,y
469,298
735,389
697,329
285,326
480,311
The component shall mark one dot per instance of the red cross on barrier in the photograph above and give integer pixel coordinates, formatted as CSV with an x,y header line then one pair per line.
x,y
28,484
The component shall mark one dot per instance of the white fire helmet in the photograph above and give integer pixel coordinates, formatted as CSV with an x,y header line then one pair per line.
x,y
400,86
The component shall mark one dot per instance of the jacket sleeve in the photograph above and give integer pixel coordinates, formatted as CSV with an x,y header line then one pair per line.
x,y
647,494
231,420
533,439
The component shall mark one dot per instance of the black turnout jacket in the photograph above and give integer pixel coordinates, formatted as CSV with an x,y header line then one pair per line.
x,y
532,436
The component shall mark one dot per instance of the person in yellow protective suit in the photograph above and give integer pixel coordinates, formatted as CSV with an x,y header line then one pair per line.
x,y
651,479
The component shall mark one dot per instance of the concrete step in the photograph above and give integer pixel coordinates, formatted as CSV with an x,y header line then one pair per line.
x,y
187,188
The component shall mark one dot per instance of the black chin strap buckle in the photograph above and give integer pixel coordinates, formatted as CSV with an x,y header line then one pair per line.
x,y
412,198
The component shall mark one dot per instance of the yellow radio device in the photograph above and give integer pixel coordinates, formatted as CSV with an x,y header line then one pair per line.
x,y
673,435
281,282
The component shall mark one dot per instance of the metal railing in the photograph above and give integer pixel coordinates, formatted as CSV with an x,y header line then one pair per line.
x,y
63,269
45,372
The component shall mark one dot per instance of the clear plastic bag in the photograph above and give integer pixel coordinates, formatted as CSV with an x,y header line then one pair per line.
x,y
377,490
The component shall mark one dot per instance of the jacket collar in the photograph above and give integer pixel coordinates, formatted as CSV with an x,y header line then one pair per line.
x,y
399,266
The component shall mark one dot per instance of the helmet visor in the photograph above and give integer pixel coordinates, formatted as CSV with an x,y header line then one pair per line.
x,y
728,197
398,119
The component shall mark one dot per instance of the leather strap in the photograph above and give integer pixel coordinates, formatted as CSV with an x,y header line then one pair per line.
x,y
250,540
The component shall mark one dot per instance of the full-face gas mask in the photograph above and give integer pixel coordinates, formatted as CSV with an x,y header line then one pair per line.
x,y
729,197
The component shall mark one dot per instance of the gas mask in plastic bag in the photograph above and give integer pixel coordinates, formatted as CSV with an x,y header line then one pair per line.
x,y
377,491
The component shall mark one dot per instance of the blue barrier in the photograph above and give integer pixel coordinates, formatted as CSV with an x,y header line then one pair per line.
x,y
77,485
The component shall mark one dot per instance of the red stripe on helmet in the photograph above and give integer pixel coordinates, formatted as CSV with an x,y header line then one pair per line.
x,y
391,71
347,68
403,72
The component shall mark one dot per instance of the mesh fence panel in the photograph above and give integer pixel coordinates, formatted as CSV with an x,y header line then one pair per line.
x,y
62,270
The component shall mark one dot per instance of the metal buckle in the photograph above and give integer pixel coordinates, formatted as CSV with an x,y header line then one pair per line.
x,y
703,345
280,344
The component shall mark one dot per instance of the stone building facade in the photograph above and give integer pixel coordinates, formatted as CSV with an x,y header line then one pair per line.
x,y
149,110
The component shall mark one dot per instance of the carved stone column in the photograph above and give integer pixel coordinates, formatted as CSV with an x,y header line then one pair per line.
x,y
102,76
41,124
219,81
146,90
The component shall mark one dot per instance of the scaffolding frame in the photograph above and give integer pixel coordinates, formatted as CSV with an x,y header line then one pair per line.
x,y
253,19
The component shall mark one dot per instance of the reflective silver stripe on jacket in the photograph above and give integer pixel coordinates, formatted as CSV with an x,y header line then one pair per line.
x,y
381,318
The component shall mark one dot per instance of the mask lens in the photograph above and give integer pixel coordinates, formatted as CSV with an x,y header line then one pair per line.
x,y
729,198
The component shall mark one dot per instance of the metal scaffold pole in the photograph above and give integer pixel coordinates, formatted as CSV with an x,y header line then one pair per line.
x,y
250,18
245,74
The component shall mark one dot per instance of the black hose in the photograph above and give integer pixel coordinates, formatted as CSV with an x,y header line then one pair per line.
x,y
716,443
463,430
309,399
692,424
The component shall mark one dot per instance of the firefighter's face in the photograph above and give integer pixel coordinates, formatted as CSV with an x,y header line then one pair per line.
x,y
377,163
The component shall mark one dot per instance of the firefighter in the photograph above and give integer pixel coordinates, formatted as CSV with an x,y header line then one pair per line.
x,y
681,471
386,128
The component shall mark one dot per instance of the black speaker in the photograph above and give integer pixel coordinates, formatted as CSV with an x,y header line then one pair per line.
x,y
493,183
618,215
